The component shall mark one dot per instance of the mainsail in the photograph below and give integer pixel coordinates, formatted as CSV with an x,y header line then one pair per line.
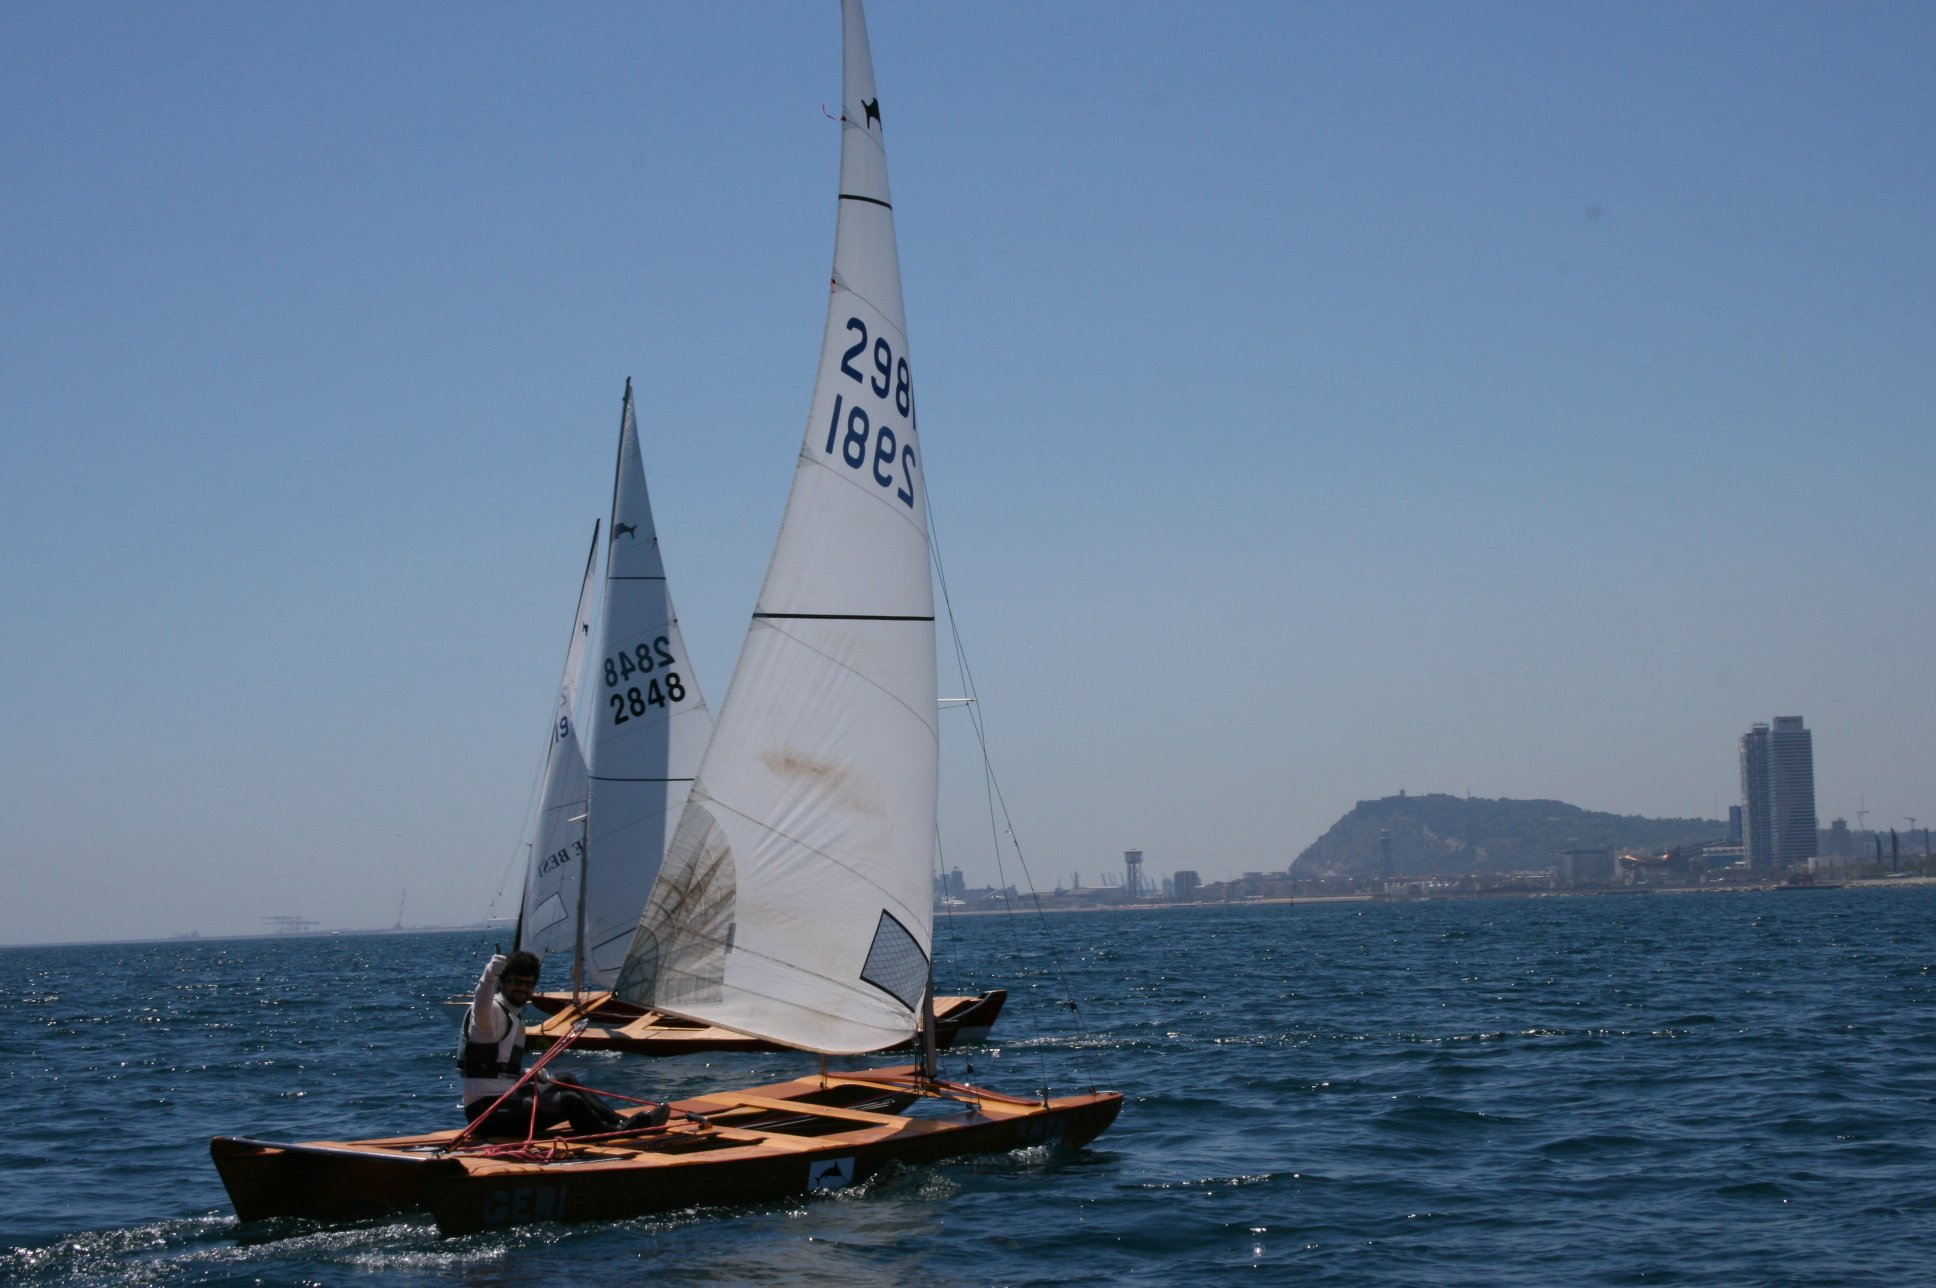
x,y
795,902
548,915
648,724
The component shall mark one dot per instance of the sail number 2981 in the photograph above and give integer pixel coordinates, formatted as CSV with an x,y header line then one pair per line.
x,y
660,690
853,435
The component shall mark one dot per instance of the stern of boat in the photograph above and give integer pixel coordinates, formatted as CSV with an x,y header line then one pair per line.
x,y
266,1179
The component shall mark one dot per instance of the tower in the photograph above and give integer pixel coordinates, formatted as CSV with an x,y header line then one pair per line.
x,y
1757,817
1133,872
1791,778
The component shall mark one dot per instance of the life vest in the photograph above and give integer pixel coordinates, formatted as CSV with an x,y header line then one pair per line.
x,y
503,1058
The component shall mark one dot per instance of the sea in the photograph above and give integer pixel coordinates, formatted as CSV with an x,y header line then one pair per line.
x,y
1660,1088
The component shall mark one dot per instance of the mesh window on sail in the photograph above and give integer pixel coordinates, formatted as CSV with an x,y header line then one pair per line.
x,y
896,964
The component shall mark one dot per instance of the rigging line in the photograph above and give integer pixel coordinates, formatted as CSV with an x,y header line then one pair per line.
x,y
557,1049
520,851
527,838
1034,1017
996,799
946,919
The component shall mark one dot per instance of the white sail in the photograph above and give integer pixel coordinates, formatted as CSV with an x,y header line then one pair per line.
x,y
795,902
548,915
647,726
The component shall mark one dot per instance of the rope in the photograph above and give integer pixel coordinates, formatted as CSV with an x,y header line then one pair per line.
x,y
1001,825
557,1048
609,1095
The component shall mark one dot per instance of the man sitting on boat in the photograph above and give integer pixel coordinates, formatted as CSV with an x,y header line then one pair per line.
x,y
490,1052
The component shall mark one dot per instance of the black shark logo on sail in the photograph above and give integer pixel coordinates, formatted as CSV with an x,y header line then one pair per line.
x,y
624,529
872,107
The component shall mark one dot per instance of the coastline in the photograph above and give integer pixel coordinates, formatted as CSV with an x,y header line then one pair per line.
x,y
1049,904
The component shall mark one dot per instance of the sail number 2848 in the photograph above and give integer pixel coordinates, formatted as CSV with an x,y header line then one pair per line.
x,y
660,690
854,436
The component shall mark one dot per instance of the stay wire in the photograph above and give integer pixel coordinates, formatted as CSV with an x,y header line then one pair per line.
x,y
1002,824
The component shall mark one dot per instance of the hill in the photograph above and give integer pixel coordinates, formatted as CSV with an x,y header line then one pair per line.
x,y
1440,835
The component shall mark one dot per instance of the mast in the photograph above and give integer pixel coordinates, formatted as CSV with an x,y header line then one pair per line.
x,y
584,860
584,819
930,1063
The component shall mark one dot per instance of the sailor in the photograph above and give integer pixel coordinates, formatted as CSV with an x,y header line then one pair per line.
x,y
490,1054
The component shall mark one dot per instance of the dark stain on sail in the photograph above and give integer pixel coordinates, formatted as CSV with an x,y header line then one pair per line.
x,y
847,789
678,955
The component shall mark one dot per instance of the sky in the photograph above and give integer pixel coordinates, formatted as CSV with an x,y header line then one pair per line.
x,y
1320,400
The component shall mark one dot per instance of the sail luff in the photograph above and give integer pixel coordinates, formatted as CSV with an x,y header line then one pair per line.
x,y
795,902
547,916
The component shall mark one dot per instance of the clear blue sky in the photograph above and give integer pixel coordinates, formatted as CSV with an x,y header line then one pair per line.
x,y
1319,400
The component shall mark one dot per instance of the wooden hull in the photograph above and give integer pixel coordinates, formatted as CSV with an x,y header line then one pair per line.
x,y
798,1137
617,1026
330,1180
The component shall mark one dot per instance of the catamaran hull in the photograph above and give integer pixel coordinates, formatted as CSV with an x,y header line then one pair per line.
x,y
465,1201
725,1147
616,1026
795,1138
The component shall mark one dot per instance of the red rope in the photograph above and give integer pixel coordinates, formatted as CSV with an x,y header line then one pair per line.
x,y
554,1147
557,1048
609,1095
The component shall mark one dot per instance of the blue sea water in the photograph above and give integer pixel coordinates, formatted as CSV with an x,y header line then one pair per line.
x,y
1657,1089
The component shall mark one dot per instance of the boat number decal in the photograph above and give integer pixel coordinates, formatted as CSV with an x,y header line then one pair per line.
x,y
851,430
514,1205
558,858
830,1174
660,690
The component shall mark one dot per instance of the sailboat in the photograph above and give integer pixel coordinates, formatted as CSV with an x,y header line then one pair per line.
x,y
606,811
793,904
606,814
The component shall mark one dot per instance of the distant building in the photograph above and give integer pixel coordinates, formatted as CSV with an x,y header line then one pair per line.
x,y
1791,776
1829,865
1757,814
1586,867
1714,858
1186,884
1133,873
1734,825
1839,840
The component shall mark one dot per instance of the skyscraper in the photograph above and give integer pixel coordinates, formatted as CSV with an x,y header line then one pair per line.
x,y
1791,778
1757,811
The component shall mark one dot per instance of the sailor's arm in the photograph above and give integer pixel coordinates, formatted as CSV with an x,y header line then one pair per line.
x,y
484,1011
